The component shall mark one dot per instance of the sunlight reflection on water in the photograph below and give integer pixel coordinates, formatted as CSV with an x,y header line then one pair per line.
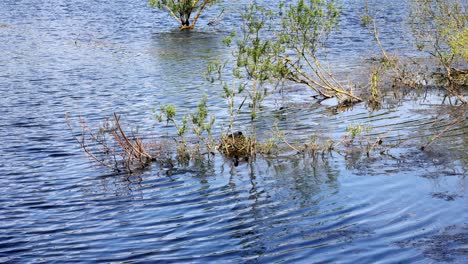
x,y
120,56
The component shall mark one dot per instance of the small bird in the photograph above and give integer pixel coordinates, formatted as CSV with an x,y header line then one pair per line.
x,y
237,134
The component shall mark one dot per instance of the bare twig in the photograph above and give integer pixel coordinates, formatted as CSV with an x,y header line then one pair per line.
x,y
83,144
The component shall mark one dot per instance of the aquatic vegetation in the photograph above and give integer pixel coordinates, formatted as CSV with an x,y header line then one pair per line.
x,y
305,30
273,47
181,10
270,48
439,27
354,130
237,145
111,147
168,114
200,125
375,78
388,65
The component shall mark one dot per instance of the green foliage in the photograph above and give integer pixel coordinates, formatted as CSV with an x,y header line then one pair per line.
x,y
181,10
257,55
231,91
169,111
228,40
440,27
199,118
357,130
308,24
366,18
198,121
459,44
183,128
374,81
277,46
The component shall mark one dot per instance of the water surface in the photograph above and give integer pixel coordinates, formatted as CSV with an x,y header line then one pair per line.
x,y
93,59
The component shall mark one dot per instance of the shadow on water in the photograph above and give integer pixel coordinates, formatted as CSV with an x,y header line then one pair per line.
x,y
185,54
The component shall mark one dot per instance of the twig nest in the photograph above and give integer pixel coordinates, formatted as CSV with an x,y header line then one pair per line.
x,y
236,145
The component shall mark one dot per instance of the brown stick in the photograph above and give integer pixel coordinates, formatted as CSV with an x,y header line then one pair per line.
x,y
192,26
85,149
127,141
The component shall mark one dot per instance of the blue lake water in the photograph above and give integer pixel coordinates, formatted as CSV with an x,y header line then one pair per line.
x,y
93,58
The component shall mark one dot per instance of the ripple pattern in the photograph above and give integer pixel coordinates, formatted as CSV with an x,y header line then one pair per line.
x,y
95,58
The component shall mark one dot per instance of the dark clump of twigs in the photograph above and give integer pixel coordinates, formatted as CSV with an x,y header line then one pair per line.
x,y
237,146
110,146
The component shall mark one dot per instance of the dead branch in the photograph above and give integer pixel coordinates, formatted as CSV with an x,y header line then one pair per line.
x,y
131,151
83,144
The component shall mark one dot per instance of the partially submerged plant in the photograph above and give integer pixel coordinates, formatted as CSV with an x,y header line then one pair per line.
x,y
387,63
427,21
374,82
231,91
289,49
274,47
257,60
181,10
111,147
200,124
305,28
168,113
440,28
237,145
356,130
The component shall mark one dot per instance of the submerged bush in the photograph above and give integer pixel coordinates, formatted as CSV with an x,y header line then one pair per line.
x,y
283,44
440,28
181,10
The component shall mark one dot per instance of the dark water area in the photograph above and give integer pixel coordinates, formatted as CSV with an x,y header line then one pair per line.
x,y
93,58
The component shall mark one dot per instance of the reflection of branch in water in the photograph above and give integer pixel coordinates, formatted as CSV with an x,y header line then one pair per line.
x,y
216,19
122,186
434,138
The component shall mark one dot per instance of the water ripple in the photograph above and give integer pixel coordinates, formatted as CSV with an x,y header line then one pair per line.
x,y
93,59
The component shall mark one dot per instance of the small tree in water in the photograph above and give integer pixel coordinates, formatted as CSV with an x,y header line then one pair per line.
x,y
440,27
284,44
181,10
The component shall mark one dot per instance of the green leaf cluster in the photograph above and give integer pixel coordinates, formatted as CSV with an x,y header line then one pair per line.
x,y
168,113
440,27
273,44
199,118
198,121
308,24
183,9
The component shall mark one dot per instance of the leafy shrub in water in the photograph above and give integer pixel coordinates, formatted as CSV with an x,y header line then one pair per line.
x,y
181,10
200,125
440,27
283,45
